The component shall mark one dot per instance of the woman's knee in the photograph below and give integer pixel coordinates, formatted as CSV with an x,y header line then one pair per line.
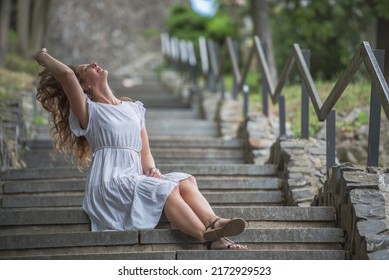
x,y
188,185
190,181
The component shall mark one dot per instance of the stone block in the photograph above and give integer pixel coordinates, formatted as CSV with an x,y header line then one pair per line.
x,y
374,212
366,196
379,255
377,242
371,227
299,182
302,193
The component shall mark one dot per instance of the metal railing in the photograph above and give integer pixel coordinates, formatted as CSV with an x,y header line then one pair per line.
x,y
373,60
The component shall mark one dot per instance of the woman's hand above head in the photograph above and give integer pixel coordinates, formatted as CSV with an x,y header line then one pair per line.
x,y
38,54
154,172
69,83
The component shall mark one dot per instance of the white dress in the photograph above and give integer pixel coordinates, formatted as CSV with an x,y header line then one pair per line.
x,y
118,196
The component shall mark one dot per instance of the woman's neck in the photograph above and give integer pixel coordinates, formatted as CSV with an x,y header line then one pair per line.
x,y
105,95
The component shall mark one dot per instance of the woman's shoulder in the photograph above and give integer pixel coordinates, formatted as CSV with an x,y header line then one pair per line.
x,y
128,99
131,101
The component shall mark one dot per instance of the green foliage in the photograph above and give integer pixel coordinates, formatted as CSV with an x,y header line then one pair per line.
x,y
330,29
221,26
356,95
17,63
185,24
361,119
39,120
382,8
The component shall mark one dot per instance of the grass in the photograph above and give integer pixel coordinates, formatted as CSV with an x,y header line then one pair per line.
x,y
356,95
12,81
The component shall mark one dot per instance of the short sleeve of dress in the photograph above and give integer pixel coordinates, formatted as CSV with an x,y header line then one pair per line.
x,y
74,122
141,110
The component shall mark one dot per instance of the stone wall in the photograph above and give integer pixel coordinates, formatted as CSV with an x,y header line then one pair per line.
x,y
123,36
301,165
361,199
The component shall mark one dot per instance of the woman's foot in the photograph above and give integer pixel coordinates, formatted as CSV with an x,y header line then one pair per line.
x,y
221,227
224,244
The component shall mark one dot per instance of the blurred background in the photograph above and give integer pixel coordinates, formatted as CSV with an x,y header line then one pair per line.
x,y
123,36
123,33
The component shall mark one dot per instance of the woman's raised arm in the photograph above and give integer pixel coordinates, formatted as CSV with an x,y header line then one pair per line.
x,y
68,79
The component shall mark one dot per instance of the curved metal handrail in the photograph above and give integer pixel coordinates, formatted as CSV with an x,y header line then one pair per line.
x,y
364,54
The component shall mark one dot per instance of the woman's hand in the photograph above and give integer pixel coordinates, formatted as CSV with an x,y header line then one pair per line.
x,y
38,54
154,172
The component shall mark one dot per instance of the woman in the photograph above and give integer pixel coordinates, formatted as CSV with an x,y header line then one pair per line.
x,y
124,189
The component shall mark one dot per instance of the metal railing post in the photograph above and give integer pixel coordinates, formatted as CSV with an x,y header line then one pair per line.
x,y
305,99
235,85
204,58
246,91
212,48
282,116
265,102
375,117
330,139
222,87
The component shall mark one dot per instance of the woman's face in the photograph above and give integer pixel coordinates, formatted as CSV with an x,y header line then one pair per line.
x,y
90,74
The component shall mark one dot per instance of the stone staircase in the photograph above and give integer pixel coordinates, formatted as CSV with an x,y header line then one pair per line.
x,y
41,217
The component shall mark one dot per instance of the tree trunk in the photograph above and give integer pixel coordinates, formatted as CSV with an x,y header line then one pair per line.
x,y
383,42
5,15
22,26
260,15
38,27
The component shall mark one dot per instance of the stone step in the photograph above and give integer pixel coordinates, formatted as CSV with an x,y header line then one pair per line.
x,y
164,236
59,162
63,216
182,114
163,130
68,239
252,235
62,199
285,254
163,224
36,155
165,142
261,255
162,154
194,169
204,183
180,124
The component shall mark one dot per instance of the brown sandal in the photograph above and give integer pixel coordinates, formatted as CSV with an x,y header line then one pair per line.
x,y
232,227
208,245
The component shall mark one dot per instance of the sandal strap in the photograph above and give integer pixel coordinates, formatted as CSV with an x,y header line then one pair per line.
x,y
208,245
212,225
230,241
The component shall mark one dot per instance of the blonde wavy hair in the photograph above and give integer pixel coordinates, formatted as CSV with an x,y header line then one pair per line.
x,y
53,98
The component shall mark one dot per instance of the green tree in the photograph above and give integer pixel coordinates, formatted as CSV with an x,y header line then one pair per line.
x,y
330,29
185,24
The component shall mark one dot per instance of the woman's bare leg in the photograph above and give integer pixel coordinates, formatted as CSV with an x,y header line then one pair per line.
x,y
181,215
188,210
195,199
